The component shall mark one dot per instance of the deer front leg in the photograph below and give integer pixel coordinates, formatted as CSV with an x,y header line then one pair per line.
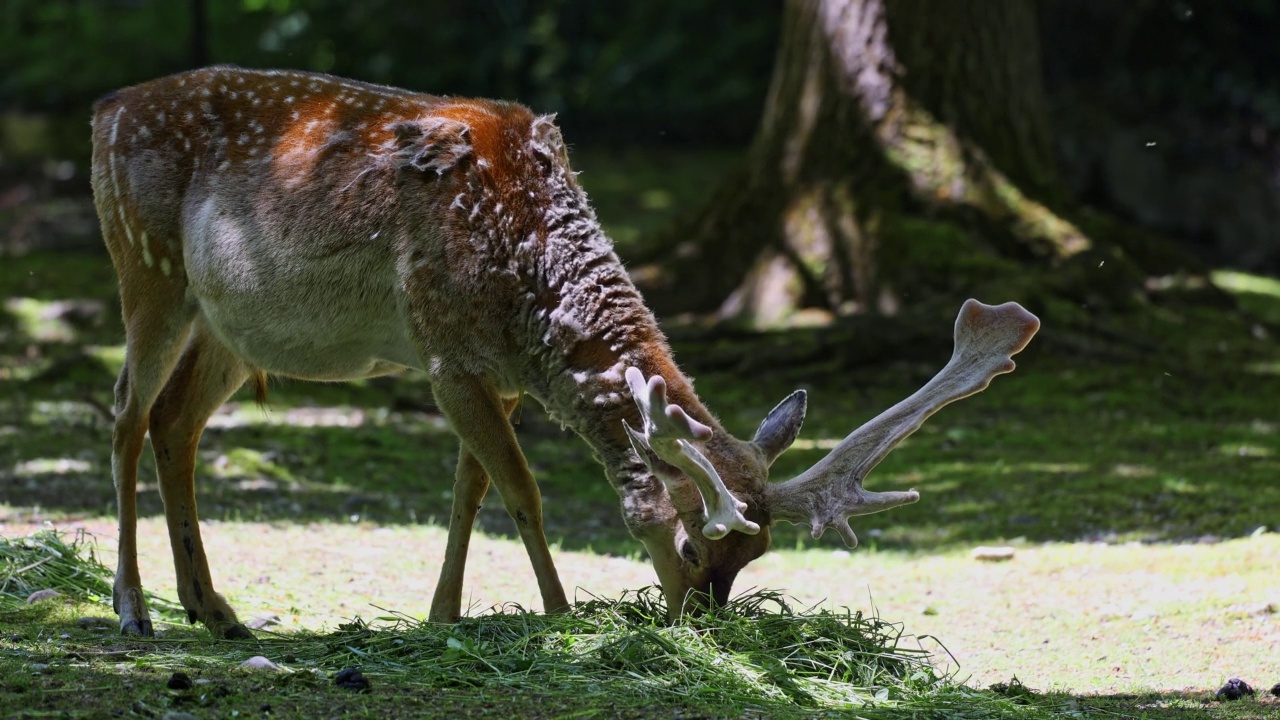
x,y
205,377
479,417
469,488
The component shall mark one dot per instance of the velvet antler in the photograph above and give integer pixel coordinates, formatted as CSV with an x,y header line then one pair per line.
x,y
831,491
667,435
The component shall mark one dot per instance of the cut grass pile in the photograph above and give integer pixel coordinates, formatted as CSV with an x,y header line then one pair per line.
x,y
759,656
45,560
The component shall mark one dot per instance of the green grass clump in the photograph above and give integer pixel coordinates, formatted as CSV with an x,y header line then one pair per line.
x,y
46,560
757,649
759,656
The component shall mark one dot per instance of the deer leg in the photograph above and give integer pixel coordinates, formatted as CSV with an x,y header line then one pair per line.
x,y
469,488
206,375
479,417
155,331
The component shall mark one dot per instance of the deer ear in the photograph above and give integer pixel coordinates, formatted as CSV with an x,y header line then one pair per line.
x,y
781,425
436,144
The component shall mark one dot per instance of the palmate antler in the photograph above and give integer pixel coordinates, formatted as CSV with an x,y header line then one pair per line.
x,y
831,491
667,435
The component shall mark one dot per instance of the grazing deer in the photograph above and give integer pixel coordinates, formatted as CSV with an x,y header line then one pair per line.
x,y
312,227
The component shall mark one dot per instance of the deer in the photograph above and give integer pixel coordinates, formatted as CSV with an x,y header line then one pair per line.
x,y
285,223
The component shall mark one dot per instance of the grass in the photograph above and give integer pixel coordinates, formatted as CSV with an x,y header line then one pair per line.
x,y
1134,477
1099,630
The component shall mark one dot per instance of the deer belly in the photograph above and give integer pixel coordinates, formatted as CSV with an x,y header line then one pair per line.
x,y
323,346
311,317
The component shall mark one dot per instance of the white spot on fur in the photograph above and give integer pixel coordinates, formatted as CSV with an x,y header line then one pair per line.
x,y
166,267
128,231
117,197
115,130
147,259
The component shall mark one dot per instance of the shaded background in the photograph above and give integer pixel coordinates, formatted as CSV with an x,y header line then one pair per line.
x,y
1165,113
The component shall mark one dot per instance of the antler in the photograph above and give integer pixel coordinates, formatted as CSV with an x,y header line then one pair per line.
x,y
831,491
666,434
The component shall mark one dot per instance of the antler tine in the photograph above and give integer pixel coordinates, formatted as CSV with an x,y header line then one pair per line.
x,y
666,435
827,494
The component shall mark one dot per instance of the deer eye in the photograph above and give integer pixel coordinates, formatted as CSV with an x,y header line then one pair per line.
x,y
689,553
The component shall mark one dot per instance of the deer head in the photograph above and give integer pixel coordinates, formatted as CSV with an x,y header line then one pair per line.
x,y
719,487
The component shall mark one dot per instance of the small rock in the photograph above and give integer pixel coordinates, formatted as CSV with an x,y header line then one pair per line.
x,y
1234,690
42,595
39,668
257,662
993,553
179,681
262,621
179,715
351,679
95,623
1275,689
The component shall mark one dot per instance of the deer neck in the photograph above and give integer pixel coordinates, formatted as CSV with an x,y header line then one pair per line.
x,y
585,323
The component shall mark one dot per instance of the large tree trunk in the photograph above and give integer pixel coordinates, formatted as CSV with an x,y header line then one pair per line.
x,y
880,113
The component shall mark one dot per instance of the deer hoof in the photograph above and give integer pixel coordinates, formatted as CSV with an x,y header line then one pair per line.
x,y
237,632
141,626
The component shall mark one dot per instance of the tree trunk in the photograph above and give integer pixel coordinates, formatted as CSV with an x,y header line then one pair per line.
x,y
900,147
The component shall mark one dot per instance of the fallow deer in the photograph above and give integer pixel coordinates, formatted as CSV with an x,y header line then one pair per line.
x,y
302,225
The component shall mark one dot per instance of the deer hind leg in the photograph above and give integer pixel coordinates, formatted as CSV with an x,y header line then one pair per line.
x,y
479,417
156,325
206,375
469,488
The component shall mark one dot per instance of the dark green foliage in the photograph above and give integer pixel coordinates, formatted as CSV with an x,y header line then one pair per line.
x,y
640,65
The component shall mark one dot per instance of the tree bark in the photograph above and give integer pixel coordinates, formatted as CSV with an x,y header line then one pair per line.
x,y
886,121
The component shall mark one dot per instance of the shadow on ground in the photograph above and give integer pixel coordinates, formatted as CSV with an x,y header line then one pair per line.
x,y
1130,444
